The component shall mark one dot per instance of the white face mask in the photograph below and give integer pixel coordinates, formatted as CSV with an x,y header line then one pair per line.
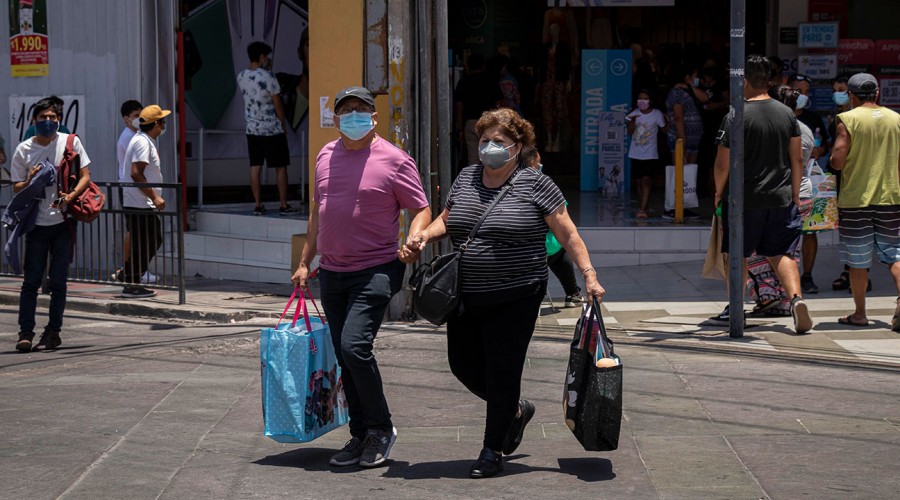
x,y
802,101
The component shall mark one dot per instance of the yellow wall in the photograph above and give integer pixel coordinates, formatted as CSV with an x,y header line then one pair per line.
x,y
336,61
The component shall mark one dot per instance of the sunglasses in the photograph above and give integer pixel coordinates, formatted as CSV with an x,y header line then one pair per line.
x,y
802,78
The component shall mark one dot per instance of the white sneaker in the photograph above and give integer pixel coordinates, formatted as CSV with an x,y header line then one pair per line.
x,y
149,278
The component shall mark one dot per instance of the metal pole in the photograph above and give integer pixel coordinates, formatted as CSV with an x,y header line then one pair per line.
x,y
444,117
424,81
736,175
200,169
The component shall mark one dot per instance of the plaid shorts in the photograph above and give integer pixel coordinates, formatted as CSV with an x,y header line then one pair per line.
x,y
868,229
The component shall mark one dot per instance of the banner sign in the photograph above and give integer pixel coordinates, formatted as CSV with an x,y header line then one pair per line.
x,y
29,50
856,55
889,92
887,57
606,86
818,66
22,107
613,149
818,36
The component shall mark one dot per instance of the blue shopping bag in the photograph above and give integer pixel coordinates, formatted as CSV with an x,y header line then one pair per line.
x,y
302,393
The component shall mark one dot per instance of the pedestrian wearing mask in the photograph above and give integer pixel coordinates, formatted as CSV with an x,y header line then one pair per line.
x,y
808,117
48,235
503,274
644,124
362,182
866,152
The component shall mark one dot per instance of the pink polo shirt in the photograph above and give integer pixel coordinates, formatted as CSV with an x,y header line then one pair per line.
x,y
360,195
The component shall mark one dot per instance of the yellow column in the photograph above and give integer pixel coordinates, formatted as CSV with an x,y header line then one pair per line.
x,y
336,38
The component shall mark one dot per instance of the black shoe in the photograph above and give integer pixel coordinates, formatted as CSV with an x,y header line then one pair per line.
x,y
24,343
517,428
49,340
488,464
259,210
690,214
668,214
136,292
287,210
377,447
807,284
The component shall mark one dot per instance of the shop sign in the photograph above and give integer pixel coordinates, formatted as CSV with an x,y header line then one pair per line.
x,y
887,57
29,50
818,66
856,55
610,3
788,36
605,98
818,36
820,98
889,92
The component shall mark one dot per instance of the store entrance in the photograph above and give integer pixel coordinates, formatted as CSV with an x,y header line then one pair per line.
x,y
528,55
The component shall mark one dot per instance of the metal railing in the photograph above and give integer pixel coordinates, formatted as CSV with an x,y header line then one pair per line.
x,y
200,155
99,246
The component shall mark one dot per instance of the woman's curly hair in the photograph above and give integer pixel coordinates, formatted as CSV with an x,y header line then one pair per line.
x,y
512,125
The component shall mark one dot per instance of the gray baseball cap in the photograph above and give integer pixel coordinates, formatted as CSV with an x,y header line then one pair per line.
x,y
862,83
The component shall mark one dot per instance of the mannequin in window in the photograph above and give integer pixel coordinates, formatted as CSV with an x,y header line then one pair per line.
x,y
556,82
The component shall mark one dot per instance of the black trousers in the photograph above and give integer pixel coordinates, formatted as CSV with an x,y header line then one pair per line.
x,y
486,348
564,270
146,238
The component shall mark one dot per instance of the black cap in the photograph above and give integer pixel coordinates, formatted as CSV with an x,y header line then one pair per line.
x,y
862,83
360,93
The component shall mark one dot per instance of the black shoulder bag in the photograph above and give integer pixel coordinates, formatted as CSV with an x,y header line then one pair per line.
x,y
437,284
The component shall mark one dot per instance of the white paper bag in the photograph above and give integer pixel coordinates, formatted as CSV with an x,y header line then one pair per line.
x,y
690,186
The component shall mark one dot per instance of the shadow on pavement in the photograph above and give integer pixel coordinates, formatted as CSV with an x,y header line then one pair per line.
x,y
589,469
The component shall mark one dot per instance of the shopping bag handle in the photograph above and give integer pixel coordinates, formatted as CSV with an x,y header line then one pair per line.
x,y
602,350
298,309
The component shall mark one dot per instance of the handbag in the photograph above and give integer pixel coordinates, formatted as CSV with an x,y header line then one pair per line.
x,y
714,264
592,399
437,284
86,207
823,215
302,392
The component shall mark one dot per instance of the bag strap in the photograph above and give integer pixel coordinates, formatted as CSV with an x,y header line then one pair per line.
x,y
506,189
604,349
300,308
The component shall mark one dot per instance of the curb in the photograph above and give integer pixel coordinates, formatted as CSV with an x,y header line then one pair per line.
x,y
161,311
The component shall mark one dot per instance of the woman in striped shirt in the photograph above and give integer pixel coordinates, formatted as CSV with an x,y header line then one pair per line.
x,y
503,273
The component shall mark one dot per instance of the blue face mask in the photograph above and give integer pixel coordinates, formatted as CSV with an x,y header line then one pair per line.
x,y
494,155
802,101
355,125
840,98
46,128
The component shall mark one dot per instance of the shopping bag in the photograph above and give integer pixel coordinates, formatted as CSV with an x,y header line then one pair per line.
x,y
823,215
689,183
714,264
302,393
592,399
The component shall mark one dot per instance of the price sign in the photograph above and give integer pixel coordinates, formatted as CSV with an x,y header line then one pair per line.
x,y
29,53
889,90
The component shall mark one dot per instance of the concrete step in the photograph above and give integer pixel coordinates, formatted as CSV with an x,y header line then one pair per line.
x,y
273,228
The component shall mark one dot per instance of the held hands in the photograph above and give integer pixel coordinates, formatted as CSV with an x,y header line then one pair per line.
x,y
300,276
593,287
414,245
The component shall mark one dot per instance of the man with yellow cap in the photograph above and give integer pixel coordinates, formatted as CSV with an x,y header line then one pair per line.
x,y
142,203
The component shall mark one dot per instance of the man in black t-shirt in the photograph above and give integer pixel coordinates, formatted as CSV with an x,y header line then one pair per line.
x,y
773,169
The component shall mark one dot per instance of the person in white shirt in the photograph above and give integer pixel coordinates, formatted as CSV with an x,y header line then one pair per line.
x,y
264,114
131,111
53,235
142,203
644,124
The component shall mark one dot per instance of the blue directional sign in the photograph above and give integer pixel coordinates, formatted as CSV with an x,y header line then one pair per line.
x,y
605,98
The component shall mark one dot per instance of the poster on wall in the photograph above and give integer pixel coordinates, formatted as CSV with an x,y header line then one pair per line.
x,y
605,98
29,52
22,107
889,92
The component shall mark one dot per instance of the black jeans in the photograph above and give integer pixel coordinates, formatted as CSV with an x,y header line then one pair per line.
x,y
354,304
486,347
146,238
564,270
55,241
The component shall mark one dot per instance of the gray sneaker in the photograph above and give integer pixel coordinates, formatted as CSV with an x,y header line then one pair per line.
x,y
378,445
349,454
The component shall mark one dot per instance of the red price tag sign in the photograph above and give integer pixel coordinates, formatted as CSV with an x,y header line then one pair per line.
x,y
29,55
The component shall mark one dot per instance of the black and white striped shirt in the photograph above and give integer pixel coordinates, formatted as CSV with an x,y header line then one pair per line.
x,y
508,253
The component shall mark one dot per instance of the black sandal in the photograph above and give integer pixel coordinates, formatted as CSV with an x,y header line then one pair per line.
x,y
842,282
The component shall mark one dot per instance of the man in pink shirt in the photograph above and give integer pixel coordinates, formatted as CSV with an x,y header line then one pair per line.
x,y
362,182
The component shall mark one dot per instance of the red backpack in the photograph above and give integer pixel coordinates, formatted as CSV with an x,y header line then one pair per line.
x,y
87,206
